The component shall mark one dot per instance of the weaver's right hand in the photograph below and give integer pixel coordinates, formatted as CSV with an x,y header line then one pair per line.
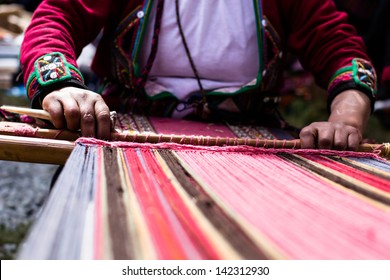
x,y
75,108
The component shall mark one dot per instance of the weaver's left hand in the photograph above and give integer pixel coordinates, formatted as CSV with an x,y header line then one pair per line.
x,y
350,111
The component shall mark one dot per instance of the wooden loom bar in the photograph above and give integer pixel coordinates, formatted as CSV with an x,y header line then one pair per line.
x,y
54,146
203,140
27,130
42,114
20,129
382,149
27,149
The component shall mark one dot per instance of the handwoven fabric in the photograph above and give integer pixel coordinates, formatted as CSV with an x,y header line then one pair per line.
x,y
117,200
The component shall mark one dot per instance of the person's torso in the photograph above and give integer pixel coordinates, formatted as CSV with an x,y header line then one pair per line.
x,y
235,50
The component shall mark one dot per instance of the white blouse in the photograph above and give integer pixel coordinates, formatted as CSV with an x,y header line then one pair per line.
x,y
222,38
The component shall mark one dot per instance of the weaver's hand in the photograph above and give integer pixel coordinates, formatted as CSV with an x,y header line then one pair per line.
x,y
75,108
330,135
350,111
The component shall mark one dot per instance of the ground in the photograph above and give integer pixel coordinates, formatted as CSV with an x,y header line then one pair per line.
x,y
23,189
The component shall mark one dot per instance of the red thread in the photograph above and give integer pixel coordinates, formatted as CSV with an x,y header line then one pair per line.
x,y
167,216
301,215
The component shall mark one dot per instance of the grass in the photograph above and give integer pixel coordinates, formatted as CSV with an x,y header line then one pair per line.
x,y
10,240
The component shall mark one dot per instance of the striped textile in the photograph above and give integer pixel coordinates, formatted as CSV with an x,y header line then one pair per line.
x,y
170,201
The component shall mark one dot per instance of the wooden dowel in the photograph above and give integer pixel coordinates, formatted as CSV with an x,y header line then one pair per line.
x,y
382,149
35,113
26,130
42,114
9,128
27,149
203,140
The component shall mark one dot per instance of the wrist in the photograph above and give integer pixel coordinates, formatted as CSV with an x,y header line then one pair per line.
x,y
351,107
51,72
359,76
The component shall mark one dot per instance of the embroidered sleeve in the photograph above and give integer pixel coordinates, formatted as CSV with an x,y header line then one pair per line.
x,y
360,75
51,72
62,27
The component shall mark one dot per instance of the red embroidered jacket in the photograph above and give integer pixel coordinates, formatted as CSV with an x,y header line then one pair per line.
x,y
312,29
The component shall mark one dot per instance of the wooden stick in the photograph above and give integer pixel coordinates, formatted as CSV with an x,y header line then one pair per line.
x,y
382,149
27,149
42,114
200,140
35,113
10,129
26,130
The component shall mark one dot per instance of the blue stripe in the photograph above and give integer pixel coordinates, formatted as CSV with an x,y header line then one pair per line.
x,y
379,164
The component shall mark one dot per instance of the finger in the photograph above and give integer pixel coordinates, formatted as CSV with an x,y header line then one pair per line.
x,y
340,141
325,138
103,121
54,108
71,113
308,136
354,140
87,121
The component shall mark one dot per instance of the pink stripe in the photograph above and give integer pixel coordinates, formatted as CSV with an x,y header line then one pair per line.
x,y
169,237
190,224
154,217
305,217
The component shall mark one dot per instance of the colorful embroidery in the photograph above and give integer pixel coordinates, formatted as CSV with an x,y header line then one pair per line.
x,y
364,74
49,69
126,40
360,72
342,76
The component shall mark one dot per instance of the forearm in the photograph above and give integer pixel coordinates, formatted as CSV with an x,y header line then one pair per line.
x,y
352,108
60,27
